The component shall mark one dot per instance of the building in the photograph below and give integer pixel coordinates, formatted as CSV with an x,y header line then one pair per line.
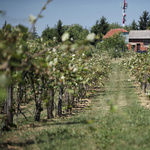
x,y
139,40
124,32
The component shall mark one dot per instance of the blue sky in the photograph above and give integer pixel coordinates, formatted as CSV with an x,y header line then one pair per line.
x,y
83,12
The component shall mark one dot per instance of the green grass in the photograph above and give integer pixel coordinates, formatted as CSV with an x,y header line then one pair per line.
x,y
97,128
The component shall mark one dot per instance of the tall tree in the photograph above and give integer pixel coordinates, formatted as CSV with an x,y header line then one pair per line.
x,y
45,32
144,20
134,25
101,27
56,31
48,33
4,25
59,28
95,28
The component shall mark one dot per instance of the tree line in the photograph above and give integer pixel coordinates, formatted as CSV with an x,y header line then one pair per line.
x,y
100,28
143,22
78,32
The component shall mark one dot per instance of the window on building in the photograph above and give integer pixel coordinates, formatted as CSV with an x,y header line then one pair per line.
x,y
146,42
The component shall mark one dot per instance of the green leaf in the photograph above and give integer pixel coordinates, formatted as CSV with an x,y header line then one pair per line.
x,y
71,91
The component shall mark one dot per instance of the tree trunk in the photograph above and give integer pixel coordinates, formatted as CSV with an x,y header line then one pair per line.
x,y
85,90
18,105
38,111
81,92
50,106
60,100
72,100
144,84
9,112
67,100
38,102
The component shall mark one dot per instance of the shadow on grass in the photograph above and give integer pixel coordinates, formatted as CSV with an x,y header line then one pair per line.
x,y
129,87
19,144
96,94
65,119
15,144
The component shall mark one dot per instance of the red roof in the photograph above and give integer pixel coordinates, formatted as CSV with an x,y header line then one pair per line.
x,y
113,31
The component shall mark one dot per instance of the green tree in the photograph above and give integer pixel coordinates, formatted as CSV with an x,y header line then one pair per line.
x,y
83,34
59,29
45,32
49,33
134,25
7,26
128,27
101,27
117,42
115,45
144,20
22,28
65,28
95,28
77,32
56,31
4,25
114,25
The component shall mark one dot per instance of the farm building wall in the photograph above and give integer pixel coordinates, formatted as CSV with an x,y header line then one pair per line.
x,y
138,45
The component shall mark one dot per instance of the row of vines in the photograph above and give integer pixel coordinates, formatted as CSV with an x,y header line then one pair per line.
x,y
139,66
46,73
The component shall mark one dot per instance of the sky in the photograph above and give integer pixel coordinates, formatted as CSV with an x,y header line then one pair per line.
x,y
83,12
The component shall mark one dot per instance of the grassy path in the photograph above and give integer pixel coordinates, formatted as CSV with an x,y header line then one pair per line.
x,y
96,127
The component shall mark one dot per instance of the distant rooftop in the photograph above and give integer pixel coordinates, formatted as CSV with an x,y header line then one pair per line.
x,y
139,34
113,31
